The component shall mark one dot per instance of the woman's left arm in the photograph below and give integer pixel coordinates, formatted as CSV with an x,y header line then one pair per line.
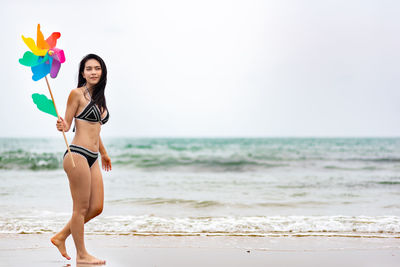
x,y
105,159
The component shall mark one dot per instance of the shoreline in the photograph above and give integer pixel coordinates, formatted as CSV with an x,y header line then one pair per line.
x,y
121,250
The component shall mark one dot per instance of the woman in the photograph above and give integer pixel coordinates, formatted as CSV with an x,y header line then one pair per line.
x,y
87,105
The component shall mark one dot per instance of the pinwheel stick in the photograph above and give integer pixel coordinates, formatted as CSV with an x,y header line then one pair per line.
x,y
58,116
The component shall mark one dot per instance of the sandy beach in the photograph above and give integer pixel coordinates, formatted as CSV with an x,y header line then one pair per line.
x,y
36,250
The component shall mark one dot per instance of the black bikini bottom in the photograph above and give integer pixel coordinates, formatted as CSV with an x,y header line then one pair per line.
x,y
90,156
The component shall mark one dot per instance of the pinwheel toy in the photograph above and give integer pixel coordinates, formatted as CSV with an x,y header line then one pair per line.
x,y
44,58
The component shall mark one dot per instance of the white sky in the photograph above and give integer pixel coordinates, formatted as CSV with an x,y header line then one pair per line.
x,y
215,68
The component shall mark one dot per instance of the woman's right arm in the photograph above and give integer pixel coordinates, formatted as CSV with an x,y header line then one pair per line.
x,y
72,106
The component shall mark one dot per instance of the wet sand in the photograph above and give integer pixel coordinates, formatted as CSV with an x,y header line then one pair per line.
x,y
118,251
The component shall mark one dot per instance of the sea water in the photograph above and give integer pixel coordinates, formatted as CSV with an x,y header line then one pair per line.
x,y
210,186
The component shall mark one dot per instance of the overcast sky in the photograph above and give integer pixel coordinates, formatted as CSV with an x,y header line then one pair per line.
x,y
214,68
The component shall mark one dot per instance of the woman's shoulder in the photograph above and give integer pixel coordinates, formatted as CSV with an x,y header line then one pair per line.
x,y
75,95
76,92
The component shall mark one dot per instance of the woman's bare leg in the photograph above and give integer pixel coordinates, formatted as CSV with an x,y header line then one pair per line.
x,y
95,208
80,186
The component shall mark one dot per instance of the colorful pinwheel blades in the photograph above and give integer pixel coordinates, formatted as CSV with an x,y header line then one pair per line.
x,y
44,58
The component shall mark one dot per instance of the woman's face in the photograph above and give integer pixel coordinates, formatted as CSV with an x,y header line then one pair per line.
x,y
92,72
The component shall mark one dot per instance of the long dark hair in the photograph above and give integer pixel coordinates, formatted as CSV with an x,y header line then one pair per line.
x,y
98,90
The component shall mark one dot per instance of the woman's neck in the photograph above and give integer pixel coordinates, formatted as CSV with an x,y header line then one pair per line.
x,y
89,89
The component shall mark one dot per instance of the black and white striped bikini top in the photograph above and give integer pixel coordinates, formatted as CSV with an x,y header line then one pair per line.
x,y
91,113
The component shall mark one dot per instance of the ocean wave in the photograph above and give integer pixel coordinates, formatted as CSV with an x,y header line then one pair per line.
x,y
389,182
168,201
341,168
383,160
20,159
190,203
193,162
357,226
234,155
204,204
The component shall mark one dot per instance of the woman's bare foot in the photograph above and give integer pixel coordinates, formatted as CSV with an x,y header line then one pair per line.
x,y
60,244
89,259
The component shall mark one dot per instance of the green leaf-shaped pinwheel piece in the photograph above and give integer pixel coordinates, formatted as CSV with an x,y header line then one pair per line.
x,y
30,60
44,104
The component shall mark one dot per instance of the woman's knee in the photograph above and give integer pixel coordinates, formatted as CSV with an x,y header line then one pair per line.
x,y
81,210
94,211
